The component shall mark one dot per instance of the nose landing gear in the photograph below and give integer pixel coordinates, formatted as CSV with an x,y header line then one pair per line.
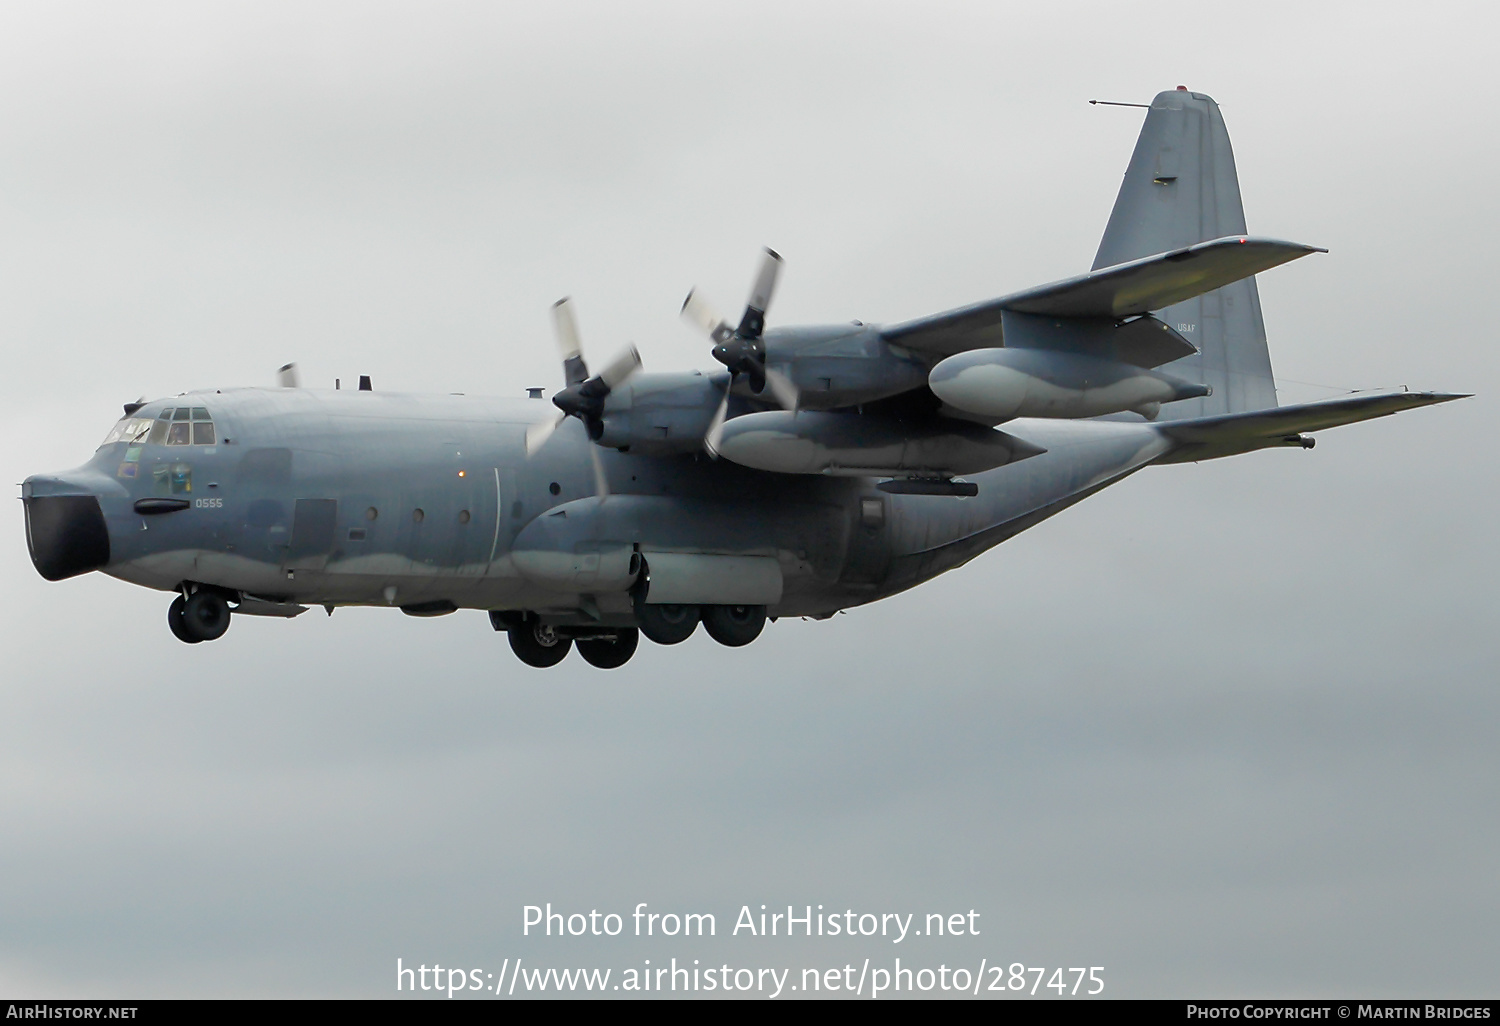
x,y
202,616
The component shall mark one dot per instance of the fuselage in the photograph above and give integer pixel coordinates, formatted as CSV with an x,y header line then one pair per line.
x,y
430,503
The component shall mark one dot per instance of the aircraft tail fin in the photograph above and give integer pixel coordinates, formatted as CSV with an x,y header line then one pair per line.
x,y
1181,189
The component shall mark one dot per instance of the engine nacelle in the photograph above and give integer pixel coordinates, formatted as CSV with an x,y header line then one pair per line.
x,y
842,365
1006,383
661,414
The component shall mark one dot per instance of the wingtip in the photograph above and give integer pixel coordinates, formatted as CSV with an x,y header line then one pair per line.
x,y
1430,398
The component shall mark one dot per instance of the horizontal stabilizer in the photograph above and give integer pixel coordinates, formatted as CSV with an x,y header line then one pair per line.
x,y
1124,290
1207,438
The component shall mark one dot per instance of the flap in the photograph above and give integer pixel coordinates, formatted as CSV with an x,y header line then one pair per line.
x,y
1143,341
1124,290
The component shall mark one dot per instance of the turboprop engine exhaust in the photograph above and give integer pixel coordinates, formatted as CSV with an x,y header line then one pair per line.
x,y
1006,383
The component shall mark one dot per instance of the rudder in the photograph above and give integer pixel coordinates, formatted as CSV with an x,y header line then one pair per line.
x,y
1181,189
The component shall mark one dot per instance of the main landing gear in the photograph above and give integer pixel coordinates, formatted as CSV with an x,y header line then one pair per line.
x,y
610,653
728,625
734,625
543,645
201,616
536,644
667,625
540,645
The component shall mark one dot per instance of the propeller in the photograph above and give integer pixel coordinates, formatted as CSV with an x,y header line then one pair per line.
x,y
583,396
741,349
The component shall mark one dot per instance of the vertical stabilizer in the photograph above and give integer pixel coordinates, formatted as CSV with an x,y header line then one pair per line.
x,y
1181,189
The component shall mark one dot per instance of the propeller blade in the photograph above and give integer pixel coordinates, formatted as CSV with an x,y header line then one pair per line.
x,y
624,365
700,312
287,376
569,343
601,483
538,433
754,320
716,426
765,281
566,325
782,388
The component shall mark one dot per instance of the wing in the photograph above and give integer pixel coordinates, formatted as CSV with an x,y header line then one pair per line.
x,y
1124,290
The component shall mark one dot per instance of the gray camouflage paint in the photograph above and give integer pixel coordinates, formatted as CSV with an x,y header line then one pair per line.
x,y
430,502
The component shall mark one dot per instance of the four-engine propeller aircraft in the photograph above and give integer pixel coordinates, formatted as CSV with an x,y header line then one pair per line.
x,y
821,468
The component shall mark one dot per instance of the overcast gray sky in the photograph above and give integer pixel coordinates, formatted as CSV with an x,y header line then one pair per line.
x,y
1227,729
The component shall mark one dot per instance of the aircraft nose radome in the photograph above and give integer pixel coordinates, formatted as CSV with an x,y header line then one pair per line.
x,y
66,533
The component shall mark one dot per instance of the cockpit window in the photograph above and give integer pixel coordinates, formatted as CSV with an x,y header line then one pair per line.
x,y
184,425
128,429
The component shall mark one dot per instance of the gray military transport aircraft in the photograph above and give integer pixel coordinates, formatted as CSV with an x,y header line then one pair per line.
x,y
823,467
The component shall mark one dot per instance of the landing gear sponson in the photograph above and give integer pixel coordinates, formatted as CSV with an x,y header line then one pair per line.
x,y
541,645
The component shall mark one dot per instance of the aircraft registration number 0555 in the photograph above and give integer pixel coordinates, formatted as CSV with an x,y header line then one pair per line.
x,y
208,503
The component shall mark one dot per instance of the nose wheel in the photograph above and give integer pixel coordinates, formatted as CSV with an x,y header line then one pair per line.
x,y
175,622
202,616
